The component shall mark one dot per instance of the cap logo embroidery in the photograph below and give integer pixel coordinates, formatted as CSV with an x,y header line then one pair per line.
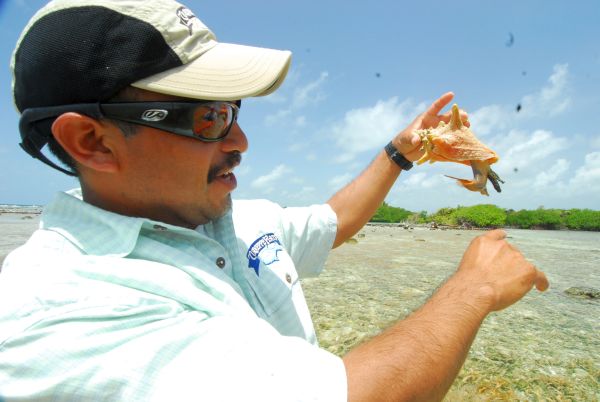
x,y
186,17
154,115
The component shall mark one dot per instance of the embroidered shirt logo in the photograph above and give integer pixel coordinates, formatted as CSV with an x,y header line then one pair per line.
x,y
264,249
186,17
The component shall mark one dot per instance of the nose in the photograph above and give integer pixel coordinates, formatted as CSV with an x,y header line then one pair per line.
x,y
235,141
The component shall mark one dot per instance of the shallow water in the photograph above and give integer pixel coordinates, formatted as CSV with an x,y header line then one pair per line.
x,y
544,348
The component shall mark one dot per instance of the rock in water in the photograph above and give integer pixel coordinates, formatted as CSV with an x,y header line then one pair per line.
x,y
585,292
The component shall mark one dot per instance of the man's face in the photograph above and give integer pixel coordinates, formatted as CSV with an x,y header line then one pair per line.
x,y
176,179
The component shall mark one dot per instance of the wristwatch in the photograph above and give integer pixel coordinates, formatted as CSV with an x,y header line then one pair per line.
x,y
397,157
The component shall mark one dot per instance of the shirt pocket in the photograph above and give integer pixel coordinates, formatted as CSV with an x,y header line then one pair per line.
x,y
271,274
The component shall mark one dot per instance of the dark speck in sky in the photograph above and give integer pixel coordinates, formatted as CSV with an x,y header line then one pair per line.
x,y
511,40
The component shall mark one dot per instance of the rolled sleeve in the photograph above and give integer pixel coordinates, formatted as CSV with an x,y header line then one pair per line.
x,y
309,233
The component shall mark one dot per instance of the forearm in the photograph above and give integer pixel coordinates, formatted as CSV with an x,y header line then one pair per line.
x,y
358,201
418,358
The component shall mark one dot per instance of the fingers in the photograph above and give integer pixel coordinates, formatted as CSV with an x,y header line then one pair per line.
x,y
440,103
497,234
541,282
464,117
415,140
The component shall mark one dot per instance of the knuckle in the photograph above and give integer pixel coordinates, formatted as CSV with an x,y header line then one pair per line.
x,y
530,272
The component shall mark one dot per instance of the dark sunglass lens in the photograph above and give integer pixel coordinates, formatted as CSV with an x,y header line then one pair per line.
x,y
212,121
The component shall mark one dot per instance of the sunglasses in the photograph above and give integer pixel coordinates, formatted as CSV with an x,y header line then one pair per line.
x,y
207,121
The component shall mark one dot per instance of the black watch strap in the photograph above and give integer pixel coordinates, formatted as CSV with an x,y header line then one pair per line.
x,y
397,157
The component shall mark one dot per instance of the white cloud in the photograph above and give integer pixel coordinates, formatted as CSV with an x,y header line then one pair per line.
x,y
303,96
587,177
489,119
298,146
243,170
550,177
340,181
278,116
266,181
552,99
595,141
415,179
520,149
368,128
424,181
309,93
300,121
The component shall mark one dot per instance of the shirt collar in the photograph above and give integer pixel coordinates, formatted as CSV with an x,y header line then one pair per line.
x,y
95,230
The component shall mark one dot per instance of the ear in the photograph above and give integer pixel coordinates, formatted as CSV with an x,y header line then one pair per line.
x,y
89,142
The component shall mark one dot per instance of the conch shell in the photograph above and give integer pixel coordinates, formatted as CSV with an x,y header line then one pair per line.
x,y
455,142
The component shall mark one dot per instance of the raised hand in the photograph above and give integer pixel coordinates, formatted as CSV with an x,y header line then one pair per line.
x,y
408,143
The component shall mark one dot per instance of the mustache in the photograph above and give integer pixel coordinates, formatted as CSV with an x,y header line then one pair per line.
x,y
231,160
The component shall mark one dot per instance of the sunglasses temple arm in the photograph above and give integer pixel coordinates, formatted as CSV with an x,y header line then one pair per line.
x,y
37,154
30,133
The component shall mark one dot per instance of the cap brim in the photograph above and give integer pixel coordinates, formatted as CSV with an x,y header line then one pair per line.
x,y
225,72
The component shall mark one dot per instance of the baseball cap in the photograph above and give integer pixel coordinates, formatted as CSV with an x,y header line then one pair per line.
x,y
86,51
75,51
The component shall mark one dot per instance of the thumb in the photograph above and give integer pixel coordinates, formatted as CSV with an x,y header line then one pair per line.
x,y
497,234
541,282
415,140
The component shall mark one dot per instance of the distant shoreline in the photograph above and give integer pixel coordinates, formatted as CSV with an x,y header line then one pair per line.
x,y
21,210
429,226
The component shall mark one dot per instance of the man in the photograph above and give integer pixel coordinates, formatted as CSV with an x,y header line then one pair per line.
x,y
149,283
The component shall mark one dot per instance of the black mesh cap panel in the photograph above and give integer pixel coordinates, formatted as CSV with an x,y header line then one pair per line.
x,y
86,54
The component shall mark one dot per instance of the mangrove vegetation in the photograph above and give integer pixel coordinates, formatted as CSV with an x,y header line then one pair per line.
x,y
492,216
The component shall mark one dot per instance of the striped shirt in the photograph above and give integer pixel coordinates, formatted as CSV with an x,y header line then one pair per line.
x,y
99,306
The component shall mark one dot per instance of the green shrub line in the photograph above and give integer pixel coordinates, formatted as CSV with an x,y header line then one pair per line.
x,y
492,216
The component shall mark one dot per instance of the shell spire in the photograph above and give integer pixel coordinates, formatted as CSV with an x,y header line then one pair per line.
x,y
455,122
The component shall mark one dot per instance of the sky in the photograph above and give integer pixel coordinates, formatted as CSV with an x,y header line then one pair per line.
x,y
526,72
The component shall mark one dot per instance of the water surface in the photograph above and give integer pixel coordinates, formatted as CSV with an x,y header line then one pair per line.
x,y
544,348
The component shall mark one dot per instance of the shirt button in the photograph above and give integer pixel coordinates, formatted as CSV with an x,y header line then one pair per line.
x,y
159,227
220,262
288,278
